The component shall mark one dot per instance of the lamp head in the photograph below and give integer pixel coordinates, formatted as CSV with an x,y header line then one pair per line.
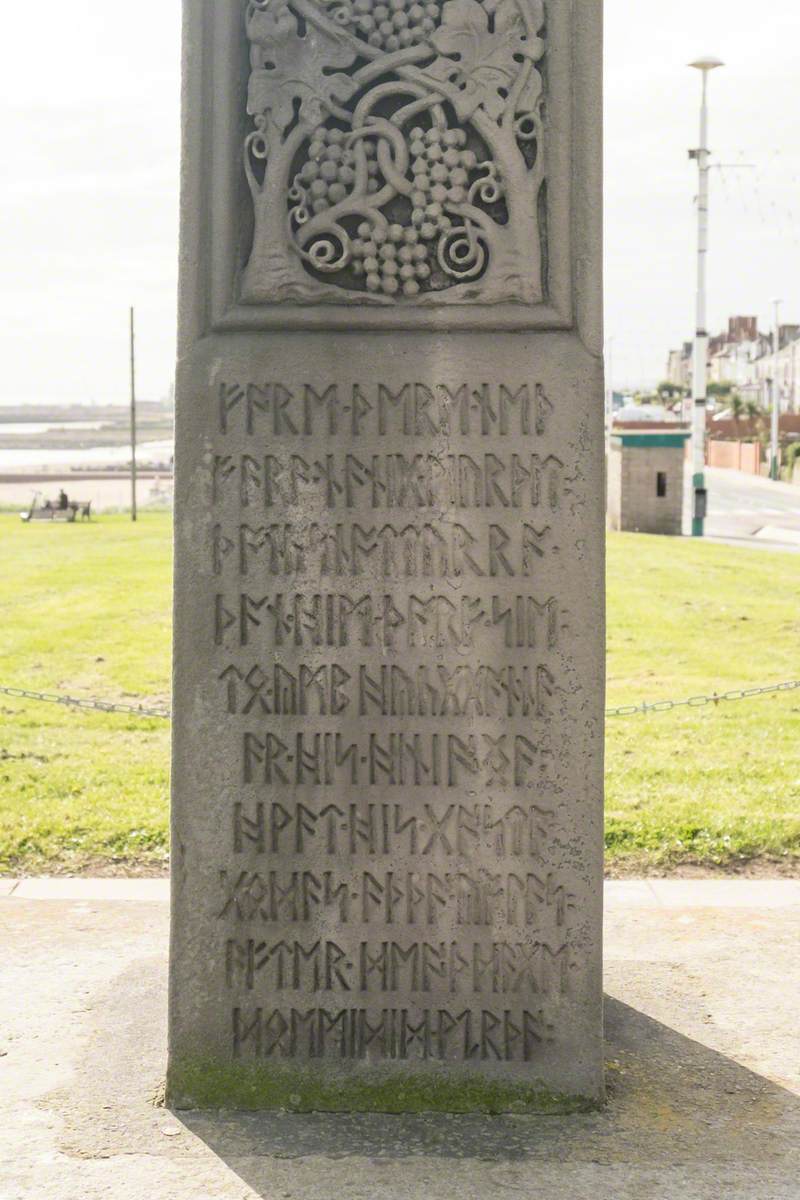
x,y
709,63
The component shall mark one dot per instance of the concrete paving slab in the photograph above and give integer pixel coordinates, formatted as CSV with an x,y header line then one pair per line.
x,y
703,1059
725,893
637,893
7,886
66,888
630,893
776,533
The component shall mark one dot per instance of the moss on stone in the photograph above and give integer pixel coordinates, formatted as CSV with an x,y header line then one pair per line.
x,y
213,1085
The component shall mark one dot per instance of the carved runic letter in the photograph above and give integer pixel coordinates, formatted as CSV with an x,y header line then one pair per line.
x,y
397,153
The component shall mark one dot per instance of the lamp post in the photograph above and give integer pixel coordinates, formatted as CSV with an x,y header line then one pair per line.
x,y
609,394
700,368
774,466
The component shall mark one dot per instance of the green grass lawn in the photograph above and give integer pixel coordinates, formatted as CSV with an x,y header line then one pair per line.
x,y
86,609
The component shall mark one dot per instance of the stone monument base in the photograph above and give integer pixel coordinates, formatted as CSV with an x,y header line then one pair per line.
x,y
220,1085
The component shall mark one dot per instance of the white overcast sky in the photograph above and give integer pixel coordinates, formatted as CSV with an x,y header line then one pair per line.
x,y
89,125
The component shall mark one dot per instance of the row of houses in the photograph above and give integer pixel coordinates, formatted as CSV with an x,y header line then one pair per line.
x,y
746,358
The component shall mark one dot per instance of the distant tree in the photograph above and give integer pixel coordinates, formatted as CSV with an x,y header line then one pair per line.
x,y
748,410
667,390
646,398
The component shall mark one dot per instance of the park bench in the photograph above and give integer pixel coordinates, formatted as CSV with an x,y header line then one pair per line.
x,y
52,512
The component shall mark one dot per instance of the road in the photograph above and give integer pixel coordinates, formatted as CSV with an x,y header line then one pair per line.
x,y
748,510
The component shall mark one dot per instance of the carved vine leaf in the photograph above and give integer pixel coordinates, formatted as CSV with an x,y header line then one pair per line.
x,y
482,63
293,68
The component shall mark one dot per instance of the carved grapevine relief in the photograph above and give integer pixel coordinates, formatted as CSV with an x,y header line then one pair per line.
x,y
397,151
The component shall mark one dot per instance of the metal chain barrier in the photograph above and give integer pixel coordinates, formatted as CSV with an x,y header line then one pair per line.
x,y
659,706
136,710
625,710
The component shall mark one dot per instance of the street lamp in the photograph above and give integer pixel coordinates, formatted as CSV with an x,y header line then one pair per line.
x,y
774,468
700,368
609,395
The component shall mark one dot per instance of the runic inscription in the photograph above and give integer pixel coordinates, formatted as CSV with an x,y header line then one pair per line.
x,y
403,586
471,897
450,830
392,551
388,691
294,659
333,619
503,968
405,481
411,409
471,1035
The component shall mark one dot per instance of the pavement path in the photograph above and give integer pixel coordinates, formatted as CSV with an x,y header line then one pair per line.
x,y
703,1052
748,510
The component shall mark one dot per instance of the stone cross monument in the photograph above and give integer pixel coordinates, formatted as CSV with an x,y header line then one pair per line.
x,y
388,712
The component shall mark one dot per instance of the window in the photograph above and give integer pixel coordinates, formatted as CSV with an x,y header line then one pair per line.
x,y
661,484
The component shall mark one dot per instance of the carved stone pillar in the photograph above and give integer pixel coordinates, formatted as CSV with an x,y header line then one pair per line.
x,y
388,710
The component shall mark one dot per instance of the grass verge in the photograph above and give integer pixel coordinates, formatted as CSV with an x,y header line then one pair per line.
x,y
85,609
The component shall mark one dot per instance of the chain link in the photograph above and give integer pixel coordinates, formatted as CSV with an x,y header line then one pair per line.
x,y
659,706
105,706
625,710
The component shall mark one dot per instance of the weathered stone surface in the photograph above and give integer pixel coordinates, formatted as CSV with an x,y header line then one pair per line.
x,y
388,708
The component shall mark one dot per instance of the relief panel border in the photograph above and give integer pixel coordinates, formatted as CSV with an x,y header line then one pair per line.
x,y
215,124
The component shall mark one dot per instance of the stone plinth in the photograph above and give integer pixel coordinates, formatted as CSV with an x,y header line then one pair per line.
x,y
388,712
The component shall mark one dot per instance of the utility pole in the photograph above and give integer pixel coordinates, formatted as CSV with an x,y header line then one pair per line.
x,y
609,393
134,513
774,452
700,368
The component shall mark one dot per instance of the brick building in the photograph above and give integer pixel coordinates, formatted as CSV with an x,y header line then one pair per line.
x,y
645,478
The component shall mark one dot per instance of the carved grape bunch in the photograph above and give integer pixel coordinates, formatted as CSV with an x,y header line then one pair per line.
x,y
392,260
328,173
389,25
420,241
440,167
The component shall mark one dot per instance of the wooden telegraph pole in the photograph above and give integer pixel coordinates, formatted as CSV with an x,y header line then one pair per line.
x,y
133,417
